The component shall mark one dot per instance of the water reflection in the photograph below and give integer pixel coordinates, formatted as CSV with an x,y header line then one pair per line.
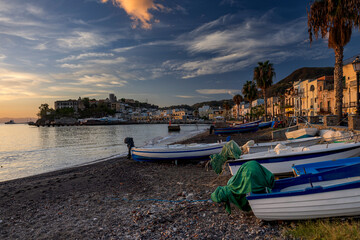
x,y
27,150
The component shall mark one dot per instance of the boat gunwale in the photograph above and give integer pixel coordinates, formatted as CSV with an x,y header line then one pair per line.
x,y
289,156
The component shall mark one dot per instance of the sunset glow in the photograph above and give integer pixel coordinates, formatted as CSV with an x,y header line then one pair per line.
x,y
162,52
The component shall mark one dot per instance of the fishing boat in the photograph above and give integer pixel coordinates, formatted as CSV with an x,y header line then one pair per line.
x,y
318,167
266,124
253,127
263,147
174,128
177,152
331,193
10,122
281,160
301,133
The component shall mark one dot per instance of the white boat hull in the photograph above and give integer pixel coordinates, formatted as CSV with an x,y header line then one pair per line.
x,y
282,163
177,152
320,205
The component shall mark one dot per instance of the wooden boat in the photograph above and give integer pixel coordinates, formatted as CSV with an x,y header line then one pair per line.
x,y
280,161
301,133
266,124
173,128
303,142
318,167
331,193
176,152
238,129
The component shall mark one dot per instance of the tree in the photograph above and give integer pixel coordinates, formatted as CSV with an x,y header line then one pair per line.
x,y
250,93
334,20
45,111
226,106
263,74
86,102
237,100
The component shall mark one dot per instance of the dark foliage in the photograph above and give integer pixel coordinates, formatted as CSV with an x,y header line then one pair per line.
x,y
301,73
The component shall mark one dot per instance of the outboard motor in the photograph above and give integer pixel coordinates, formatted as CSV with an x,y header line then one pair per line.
x,y
130,144
212,128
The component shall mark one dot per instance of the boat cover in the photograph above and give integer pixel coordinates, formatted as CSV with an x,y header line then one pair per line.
x,y
229,151
251,177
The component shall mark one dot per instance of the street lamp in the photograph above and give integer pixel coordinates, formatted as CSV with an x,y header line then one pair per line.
x,y
356,66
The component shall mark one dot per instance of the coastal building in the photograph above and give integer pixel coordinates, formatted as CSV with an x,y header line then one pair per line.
x,y
178,115
257,102
273,106
289,102
349,92
217,114
112,98
204,111
326,96
310,97
245,109
68,104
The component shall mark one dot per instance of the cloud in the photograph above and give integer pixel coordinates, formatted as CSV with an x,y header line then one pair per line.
x,y
85,55
218,91
184,96
102,80
139,10
231,44
15,84
80,40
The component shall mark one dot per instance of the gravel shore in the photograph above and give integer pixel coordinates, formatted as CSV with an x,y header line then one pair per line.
x,y
124,199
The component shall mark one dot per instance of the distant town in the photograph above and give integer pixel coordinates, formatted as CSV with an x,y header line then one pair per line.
x,y
304,97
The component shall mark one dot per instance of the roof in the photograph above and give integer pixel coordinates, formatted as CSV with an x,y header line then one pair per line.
x,y
350,60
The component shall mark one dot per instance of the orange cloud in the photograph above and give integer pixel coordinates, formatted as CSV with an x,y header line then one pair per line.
x,y
138,10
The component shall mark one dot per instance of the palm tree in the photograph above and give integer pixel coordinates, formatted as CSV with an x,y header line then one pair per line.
x,y
263,74
226,106
237,100
334,19
250,93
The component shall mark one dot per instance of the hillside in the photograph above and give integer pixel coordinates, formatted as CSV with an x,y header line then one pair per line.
x,y
301,73
213,104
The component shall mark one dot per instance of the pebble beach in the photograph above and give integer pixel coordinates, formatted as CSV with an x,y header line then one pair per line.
x,y
124,199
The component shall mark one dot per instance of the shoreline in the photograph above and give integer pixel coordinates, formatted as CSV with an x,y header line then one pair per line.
x,y
124,199
115,151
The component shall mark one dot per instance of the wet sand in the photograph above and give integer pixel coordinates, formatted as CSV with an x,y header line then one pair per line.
x,y
124,199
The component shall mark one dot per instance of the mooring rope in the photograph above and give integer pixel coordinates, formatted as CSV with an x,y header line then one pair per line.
x,y
159,200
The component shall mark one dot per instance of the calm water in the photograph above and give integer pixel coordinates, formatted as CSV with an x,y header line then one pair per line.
x,y
28,150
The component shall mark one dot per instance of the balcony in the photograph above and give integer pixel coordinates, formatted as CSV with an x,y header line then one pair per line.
x,y
349,105
323,111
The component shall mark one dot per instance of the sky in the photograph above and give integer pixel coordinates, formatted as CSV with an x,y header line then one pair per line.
x,y
160,51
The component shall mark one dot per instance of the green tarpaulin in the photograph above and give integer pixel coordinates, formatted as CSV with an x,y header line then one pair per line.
x,y
251,177
230,151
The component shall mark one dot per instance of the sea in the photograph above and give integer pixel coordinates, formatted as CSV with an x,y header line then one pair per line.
x,y
29,150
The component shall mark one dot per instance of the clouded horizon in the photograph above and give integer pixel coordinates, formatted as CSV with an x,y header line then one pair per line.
x,y
163,52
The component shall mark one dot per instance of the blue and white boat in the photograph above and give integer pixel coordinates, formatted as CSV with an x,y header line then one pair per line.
x,y
331,193
280,161
253,127
318,167
266,124
176,152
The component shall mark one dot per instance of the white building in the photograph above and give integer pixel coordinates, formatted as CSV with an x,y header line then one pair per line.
x,y
204,111
258,102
